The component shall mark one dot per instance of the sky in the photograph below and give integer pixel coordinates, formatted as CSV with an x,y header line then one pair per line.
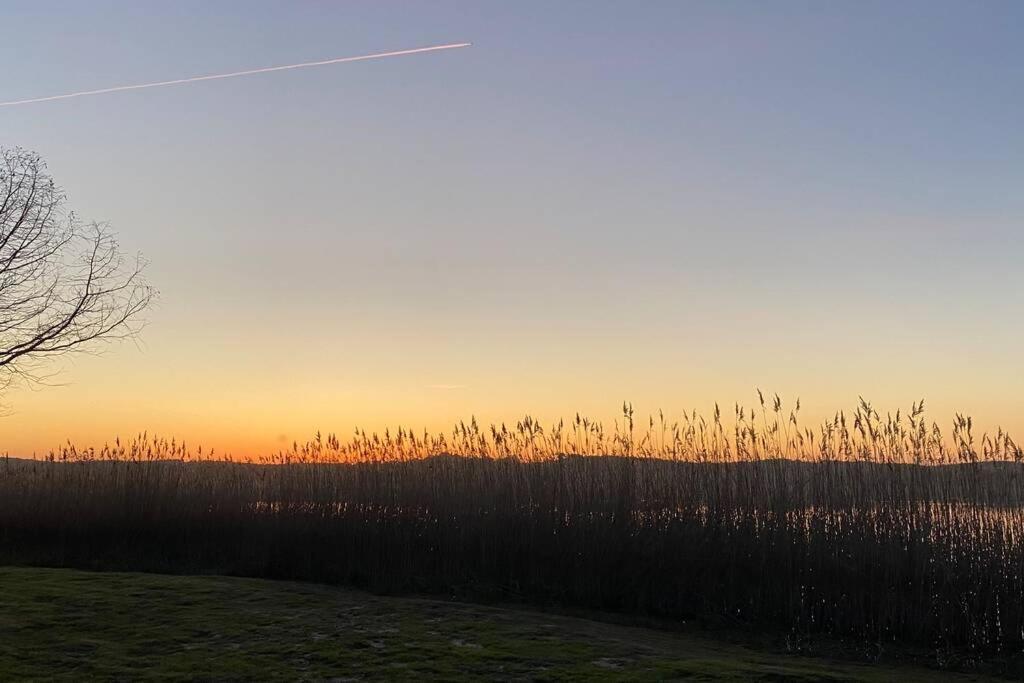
x,y
670,203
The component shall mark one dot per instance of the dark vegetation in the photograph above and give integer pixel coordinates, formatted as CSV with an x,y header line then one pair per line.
x,y
876,531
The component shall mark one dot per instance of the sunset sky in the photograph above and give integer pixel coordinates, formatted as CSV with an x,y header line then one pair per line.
x,y
669,203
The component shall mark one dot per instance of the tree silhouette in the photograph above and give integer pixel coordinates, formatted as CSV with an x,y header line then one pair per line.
x,y
64,284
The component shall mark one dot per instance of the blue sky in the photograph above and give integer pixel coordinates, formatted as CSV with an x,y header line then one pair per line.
x,y
668,202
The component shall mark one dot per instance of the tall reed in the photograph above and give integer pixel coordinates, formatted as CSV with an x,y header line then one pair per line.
x,y
879,530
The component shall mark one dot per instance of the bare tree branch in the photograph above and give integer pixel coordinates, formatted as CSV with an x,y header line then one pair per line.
x,y
64,285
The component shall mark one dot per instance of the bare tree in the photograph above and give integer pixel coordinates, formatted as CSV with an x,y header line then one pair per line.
x,y
64,284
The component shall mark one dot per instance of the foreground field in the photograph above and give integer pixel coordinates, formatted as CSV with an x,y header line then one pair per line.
x,y
82,625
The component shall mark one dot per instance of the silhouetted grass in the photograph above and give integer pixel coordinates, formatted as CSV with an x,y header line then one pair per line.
x,y
877,530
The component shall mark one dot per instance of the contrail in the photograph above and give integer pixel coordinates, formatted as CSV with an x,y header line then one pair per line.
x,y
233,74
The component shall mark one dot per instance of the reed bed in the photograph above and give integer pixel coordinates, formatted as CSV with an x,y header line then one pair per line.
x,y
882,531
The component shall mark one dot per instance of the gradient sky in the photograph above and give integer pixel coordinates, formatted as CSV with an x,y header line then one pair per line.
x,y
671,203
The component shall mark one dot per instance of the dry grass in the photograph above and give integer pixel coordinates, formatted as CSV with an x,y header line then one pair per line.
x,y
878,530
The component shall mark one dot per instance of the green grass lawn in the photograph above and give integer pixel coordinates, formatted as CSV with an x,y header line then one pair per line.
x,y
63,624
